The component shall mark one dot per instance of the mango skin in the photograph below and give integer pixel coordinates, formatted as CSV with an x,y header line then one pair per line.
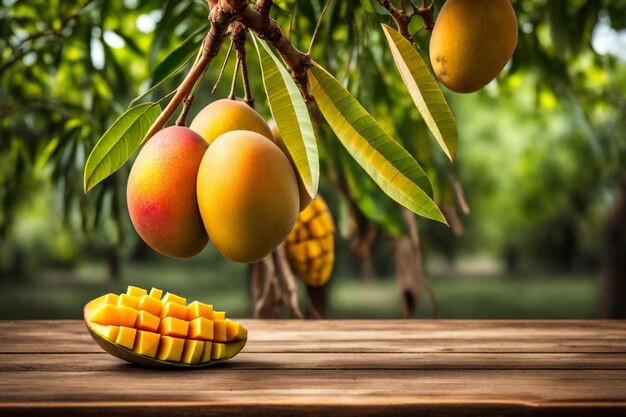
x,y
227,115
161,193
471,42
305,198
247,194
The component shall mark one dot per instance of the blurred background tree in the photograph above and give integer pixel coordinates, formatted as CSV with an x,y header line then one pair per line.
x,y
541,160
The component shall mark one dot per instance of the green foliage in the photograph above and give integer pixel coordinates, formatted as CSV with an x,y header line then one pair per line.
x,y
291,116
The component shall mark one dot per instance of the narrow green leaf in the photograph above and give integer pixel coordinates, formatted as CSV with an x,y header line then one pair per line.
x,y
174,62
119,142
291,116
395,171
424,91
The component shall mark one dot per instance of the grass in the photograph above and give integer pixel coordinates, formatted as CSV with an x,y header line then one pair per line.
x,y
61,294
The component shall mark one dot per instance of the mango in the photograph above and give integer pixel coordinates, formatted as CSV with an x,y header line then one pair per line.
x,y
310,246
247,194
305,198
161,193
167,342
227,115
471,42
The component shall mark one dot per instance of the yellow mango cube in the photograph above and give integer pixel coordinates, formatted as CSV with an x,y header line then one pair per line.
x,y
316,227
171,326
218,351
126,337
219,330
219,315
313,249
201,328
235,331
170,348
147,343
206,352
149,304
114,315
135,291
156,293
147,321
108,332
328,243
128,301
172,309
174,298
106,299
192,351
198,309
308,213
297,251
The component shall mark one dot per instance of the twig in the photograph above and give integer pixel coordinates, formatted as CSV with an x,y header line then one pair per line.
x,y
233,84
222,14
293,14
402,19
317,26
239,36
287,282
219,77
187,102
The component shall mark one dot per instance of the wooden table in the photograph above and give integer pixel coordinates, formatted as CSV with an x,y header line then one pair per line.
x,y
334,368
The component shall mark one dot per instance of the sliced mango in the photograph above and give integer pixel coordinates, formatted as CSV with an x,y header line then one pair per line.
x,y
147,343
156,330
173,309
192,352
170,348
126,337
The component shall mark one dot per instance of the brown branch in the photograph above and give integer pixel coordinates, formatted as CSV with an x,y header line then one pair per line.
x,y
187,102
239,36
267,29
222,14
402,19
264,6
287,282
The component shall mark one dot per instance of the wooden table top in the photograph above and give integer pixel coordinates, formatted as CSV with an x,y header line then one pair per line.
x,y
331,368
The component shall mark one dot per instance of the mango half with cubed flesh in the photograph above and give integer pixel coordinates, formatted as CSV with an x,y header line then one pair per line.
x,y
157,330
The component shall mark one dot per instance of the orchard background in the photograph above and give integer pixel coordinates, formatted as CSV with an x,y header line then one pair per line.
x,y
536,199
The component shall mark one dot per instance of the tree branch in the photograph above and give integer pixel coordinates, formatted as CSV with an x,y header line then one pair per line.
x,y
239,36
222,14
402,19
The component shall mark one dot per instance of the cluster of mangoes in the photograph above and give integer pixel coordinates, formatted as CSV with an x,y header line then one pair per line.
x,y
225,178
310,246
471,42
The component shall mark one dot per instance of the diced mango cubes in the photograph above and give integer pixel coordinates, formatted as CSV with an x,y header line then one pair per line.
x,y
201,328
149,304
192,351
147,321
156,293
147,343
171,326
172,309
170,348
219,330
128,301
163,327
135,291
174,298
126,337
198,309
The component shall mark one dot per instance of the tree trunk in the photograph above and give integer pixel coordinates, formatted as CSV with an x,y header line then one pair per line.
x,y
410,269
613,277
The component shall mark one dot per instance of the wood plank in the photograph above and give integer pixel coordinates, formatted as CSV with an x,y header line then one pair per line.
x,y
357,336
90,362
303,387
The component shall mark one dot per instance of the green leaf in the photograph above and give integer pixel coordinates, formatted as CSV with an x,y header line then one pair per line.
x,y
175,61
291,116
424,91
119,142
395,171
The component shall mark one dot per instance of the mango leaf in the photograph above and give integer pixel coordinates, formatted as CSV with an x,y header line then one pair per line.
x,y
395,171
175,61
119,142
291,116
424,91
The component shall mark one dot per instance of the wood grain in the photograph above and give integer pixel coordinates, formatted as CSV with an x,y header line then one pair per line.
x,y
334,368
